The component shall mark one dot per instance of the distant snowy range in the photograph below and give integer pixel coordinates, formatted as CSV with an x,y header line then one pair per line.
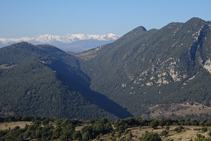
x,y
70,42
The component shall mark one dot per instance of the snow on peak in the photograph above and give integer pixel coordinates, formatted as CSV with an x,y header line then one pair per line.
x,y
47,38
69,38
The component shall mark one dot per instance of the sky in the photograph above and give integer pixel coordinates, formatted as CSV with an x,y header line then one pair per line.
x,y
21,18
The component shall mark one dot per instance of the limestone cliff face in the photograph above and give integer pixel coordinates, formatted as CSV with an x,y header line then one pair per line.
x,y
169,65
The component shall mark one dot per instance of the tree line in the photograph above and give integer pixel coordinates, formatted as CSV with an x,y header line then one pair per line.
x,y
46,128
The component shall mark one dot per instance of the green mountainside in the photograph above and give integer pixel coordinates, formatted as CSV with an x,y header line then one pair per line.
x,y
157,68
150,74
43,80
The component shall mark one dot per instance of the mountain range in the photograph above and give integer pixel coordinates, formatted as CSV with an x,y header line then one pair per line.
x,y
69,42
157,73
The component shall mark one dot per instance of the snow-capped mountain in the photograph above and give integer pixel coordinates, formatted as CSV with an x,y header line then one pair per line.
x,y
69,42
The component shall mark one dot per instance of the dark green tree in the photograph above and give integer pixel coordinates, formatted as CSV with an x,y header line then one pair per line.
x,y
164,133
162,122
38,134
86,136
204,129
77,135
27,134
104,120
154,124
150,136
194,122
56,132
63,138
167,128
9,138
178,129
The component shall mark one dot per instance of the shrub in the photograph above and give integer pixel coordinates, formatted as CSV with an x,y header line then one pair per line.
x,y
77,135
63,138
164,133
204,129
119,135
199,137
86,136
167,128
209,133
154,124
178,129
129,136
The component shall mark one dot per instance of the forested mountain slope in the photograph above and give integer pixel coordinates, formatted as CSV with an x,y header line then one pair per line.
x,y
155,73
149,71
43,80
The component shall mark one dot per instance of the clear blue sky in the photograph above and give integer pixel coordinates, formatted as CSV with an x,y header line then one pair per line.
x,y
30,18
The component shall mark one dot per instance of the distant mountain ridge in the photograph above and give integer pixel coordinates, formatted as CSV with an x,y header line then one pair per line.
x,y
69,42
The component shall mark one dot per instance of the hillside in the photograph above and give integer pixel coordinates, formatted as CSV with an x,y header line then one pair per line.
x,y
44,80
152,74
163,69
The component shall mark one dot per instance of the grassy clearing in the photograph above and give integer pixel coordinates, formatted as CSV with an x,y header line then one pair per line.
x,y
189,132
11,125
182,109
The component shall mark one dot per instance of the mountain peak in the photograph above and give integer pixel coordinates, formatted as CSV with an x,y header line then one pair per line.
x,y
137,30
141,28
22,44
195,20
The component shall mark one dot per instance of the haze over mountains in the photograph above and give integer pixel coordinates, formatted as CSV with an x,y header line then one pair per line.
x,y
69,42
157,73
